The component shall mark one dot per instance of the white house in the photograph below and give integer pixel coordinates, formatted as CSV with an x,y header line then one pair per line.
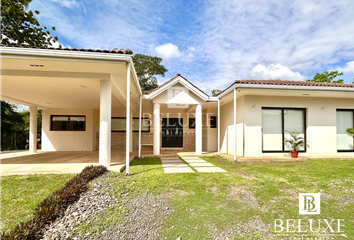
x,y
91,99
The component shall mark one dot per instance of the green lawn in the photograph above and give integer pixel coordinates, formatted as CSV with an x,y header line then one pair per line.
x,y
20,194
249,195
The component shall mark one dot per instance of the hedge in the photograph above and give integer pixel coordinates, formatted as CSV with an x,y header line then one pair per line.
x,y
54,205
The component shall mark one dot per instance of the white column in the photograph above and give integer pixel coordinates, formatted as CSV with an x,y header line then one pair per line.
x,y
198,129
33,130
218,120
105,123
235,127
156,129
131,131
140,108
127,121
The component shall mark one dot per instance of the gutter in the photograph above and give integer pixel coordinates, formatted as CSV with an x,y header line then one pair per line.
x,y
284,87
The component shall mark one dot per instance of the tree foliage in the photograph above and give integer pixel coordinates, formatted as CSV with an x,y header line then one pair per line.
x,y
215,92
327,77
19,26
147,67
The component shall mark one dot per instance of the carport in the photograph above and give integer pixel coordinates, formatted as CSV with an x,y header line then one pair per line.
x,y
71,82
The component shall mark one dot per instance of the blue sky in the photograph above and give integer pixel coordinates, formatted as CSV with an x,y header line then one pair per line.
x,y
212,43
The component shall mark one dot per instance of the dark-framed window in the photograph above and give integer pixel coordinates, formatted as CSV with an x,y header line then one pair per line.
x,y
213,122
345,120
275,123
118,124
191,122
67,122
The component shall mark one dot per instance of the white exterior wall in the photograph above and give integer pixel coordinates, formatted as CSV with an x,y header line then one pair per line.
x,y
227,127
68,140
320,123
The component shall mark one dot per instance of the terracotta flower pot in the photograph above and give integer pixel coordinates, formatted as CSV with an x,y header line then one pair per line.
x,y
294,154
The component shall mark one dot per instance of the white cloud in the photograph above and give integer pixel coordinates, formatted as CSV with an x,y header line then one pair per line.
x,y
348,68
67,3
274,71
168,50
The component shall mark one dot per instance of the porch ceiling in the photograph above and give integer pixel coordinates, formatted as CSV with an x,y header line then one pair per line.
x,y
49,82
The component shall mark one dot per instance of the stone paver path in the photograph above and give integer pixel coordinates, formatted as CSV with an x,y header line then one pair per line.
x,y
175,165
201,165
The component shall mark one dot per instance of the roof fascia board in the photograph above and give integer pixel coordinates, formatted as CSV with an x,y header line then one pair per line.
x,y
285,87
63,54
184,83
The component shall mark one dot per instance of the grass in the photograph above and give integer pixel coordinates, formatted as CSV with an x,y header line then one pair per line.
x,y
201,201
20,194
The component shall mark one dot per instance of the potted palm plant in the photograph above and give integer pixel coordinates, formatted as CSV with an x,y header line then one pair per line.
x,y
296,142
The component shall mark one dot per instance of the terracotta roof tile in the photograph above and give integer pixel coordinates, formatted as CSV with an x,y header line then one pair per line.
x,y
279,82
114,51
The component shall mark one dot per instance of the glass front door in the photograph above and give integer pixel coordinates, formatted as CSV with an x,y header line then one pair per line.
x,y
172,132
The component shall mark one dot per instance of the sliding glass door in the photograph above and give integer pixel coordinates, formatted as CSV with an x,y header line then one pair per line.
x,y
345,120
275,123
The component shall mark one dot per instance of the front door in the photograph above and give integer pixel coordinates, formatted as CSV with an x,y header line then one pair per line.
x,y
172,132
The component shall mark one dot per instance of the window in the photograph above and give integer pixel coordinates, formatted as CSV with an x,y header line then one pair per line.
x,y
118,124
275,123
213,122
191,123
345,120
67,123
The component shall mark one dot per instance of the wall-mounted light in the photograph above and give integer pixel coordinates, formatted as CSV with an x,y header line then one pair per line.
x,y
323,108
253,105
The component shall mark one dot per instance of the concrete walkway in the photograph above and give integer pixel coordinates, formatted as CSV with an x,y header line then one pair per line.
x,y
176,165
201,165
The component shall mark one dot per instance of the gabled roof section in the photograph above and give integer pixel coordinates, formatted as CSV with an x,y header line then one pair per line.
x,y
178,79
116,50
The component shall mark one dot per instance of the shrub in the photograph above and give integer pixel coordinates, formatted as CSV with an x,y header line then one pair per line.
x,y
54,205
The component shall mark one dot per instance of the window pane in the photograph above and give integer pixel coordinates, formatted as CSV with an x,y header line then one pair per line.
x,y
344,121
118,124
78,119
293,121
272,130
60,118
145,125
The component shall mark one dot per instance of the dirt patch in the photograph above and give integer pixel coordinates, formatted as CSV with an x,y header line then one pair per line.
x,y
215,190
183,193
143,221
249,176
291,194
245,196
255,227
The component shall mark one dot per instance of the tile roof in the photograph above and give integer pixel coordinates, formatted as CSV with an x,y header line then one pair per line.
x,y
114,51
279,82
177,75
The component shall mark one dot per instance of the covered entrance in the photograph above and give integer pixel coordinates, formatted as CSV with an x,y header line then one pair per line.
x,y
172,132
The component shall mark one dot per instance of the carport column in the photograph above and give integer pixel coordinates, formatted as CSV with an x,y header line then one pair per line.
x,y
105,123
156,129
140,108
235,127
131,131
219,119
33,129
198,129
128,123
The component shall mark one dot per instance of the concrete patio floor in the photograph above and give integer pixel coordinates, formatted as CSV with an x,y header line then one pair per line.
x,y
56,162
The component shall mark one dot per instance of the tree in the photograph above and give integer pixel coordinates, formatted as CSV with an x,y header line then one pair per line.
x,y
10,121
147,67
20,26
215,92
327,77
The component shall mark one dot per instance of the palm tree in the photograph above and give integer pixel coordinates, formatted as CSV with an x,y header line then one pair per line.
x,y
296,142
